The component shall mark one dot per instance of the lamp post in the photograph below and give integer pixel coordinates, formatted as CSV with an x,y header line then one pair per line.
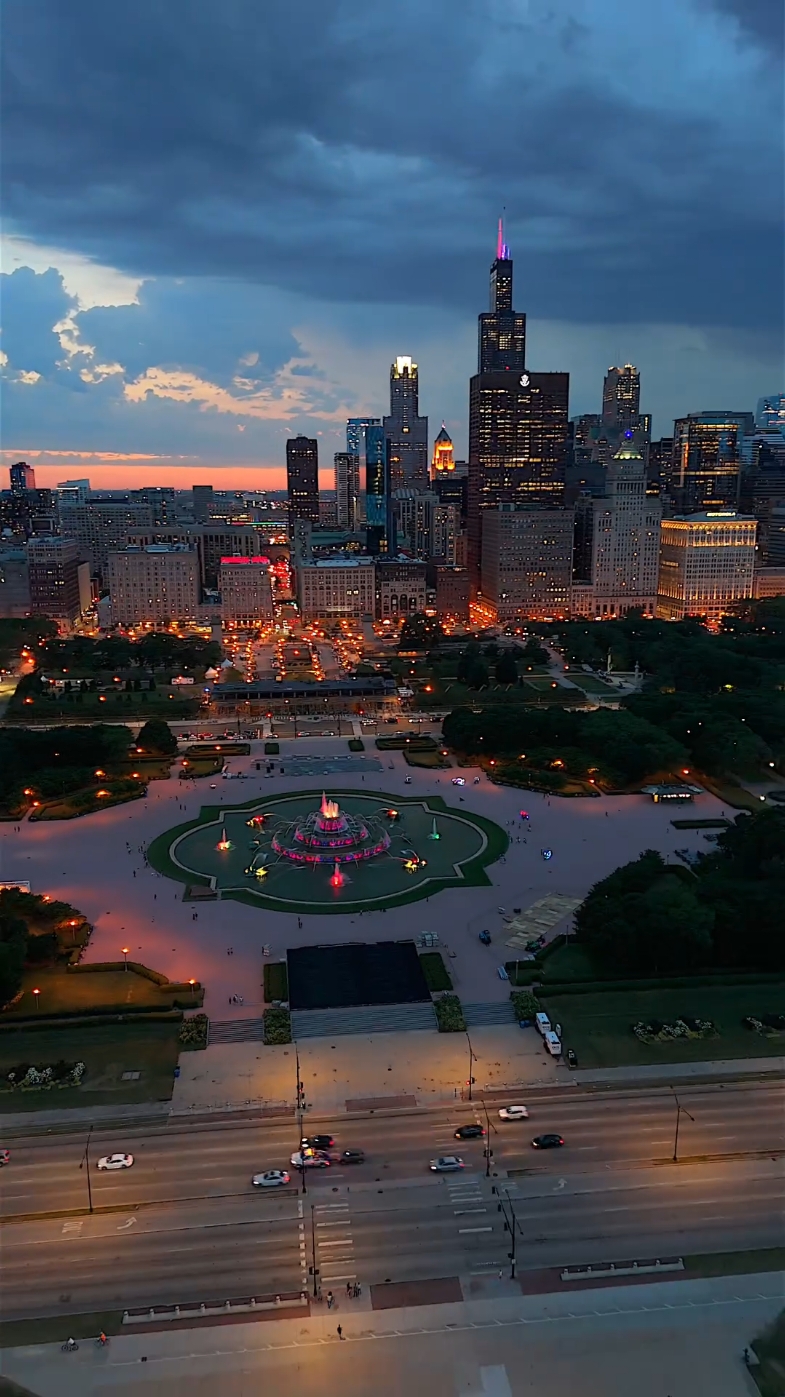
x,y
192,983
679,1109
300,1109
125,949
471,1063
488,1150
36,994
507,1209
84,1163
313,1252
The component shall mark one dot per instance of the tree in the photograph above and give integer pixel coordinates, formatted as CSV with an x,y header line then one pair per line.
x,y
13,949
534,653
506,669
156,736
647,918
420,632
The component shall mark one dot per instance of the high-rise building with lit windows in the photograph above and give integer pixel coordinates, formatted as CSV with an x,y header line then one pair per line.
x,y
706,463
707,563
302,478
405,429
621,398
518,427
443,458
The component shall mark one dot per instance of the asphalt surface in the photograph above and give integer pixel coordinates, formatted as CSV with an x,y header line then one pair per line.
x,y
185,1222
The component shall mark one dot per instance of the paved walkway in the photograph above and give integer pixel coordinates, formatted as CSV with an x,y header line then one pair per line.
x,y
663,1340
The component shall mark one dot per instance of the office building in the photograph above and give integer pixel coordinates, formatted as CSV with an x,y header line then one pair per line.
x,y
156,584
14,581
202,502
400,589
706,466
452,487
658,474
334,588
347,489
769,582
446,534
246,592
101,526
452,594
621,398
57,587
22,478
379,517
707,563
443,458
762,485
501,331
405,430
517,418
414,513
302,479
770,413
73,491
617,540
526,562
162,501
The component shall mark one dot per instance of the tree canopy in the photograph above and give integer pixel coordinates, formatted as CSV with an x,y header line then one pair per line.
x,y
156,736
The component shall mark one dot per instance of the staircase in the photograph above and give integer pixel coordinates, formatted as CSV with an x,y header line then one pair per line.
x,y
236,1031
478,1015
381,1018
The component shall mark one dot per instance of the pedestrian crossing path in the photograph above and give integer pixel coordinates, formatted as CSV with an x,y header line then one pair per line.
x,y
333,1244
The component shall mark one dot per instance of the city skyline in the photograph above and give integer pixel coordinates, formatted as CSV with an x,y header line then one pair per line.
x,y
189,314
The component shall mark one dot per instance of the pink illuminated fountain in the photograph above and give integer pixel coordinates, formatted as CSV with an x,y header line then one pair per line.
x,y
331,835
337,880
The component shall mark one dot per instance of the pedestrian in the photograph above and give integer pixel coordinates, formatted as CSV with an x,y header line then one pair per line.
x,y
340,1332
329,1299
357,1289
348,1288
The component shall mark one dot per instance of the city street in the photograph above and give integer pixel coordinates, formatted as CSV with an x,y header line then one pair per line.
x,y
186,1224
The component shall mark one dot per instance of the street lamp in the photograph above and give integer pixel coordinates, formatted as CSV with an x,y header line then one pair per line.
x,y
471,1063
126,949
507,1210
313,1252
35,997
679,1109
488,1150
84,1163
300,1109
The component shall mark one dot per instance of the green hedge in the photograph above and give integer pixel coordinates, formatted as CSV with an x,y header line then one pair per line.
x,y
678,982
525,1004
449,1014
194,1032
271,749
356,744
523,972
277,1026
276,981
437,976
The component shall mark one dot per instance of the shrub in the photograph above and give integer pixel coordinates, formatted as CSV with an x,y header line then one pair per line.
x,y
525,1004
449,1014
194,1032
356,744
277,1025
271,749
437,976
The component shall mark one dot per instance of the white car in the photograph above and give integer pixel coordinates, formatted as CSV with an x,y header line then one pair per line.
x,y
272,1178
458,781
513,1113
311,1159
446,1163
115,1161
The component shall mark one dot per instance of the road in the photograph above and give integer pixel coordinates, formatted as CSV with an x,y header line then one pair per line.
x,y
186,1224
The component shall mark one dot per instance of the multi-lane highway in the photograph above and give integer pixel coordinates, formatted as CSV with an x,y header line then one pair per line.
x,y
185,1223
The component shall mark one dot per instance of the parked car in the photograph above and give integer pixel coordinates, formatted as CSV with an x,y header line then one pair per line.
x,y
469,1132
271,1178
547,1142
115,1161
485,937
446,1164
514,1113
5,1157
317,1142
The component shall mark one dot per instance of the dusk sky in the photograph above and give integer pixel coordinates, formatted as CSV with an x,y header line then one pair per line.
x,y
223,221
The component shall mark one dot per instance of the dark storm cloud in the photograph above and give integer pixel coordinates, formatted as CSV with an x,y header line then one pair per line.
x,y
353,152
761,20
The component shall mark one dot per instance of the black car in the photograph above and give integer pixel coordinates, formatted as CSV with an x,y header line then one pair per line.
x,y
469,1132
317,1142
547,1142
351,1157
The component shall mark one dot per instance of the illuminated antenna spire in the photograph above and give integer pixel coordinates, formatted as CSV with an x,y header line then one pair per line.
x,y
502,250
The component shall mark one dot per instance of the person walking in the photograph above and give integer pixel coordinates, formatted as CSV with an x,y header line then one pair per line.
x,y
330,1299
339,1332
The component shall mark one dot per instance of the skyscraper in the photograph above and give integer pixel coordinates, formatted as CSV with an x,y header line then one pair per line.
x,y
406,430
621,398
379,519
707,459
22,477
443,458
621,529
517,418
302,478
501,330
347,489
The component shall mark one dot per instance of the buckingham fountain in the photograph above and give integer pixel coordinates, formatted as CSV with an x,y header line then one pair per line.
x,y
330,835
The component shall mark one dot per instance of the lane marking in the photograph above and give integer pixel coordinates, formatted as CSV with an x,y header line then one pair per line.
x,y
474,1229
461,1212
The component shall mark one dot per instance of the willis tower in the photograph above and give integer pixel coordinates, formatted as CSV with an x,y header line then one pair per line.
x,y
517,418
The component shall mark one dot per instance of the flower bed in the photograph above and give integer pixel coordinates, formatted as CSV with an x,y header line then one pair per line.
x,y
43,1076
449,1014
685,1027
277,1025
194,1032
769,1025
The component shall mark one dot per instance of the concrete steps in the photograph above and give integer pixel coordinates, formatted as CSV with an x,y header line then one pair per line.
x,y
478,1015
237,1031
379,1018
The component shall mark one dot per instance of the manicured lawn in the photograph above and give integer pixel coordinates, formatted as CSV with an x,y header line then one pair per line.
x,y
598,1026
437,976
108,1050
111,991
276,982
429,759
590,683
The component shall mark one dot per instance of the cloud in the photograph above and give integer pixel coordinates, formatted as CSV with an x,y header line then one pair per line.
x,y
359,154
284,400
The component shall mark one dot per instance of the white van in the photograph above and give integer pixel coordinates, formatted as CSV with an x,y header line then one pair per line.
x,y
552,1043
542,1023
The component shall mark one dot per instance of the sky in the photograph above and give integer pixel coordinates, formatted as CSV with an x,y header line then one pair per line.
x,y
223,222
